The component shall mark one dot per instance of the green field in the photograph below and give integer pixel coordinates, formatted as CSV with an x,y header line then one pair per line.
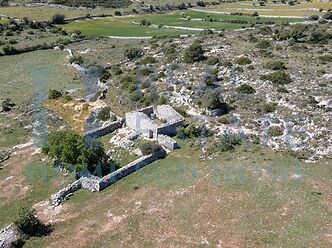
x,y
181,201
124,26
302,9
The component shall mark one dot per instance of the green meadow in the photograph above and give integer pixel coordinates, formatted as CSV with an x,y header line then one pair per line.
x,y
125,26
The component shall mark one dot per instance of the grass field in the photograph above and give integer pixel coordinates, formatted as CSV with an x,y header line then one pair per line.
x,y
302,9
26,77
124,26
183,202
45,13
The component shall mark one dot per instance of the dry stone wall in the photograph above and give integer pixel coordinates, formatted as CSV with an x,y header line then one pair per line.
x,y
111,127
58,197
7,236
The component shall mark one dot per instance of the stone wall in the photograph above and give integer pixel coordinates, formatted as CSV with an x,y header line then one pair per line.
x,y
167,142
7,236
58,197
169,129
167,113
128,169
148,110
111,127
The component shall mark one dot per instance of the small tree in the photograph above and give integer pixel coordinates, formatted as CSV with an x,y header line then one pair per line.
x,y
194,53
58,19
104,114
243,61
133,53
29,225
278,77
54,94
246,89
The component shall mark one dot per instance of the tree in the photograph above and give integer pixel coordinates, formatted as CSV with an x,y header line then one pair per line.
x,y
58,19
194,53
212,99
74,150
54,94
29,225
104,114
133,53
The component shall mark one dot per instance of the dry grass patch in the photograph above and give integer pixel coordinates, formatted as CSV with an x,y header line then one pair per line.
x,y
74,113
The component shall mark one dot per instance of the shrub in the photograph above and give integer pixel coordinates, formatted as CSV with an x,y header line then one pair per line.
x,y
104,114
243,61
245,89
145,72
116,69
76,60
194,53
278,77
133,53
29,225
328,15
275,65
212,61
58,19
54,94
268,107
313,18
148,60
149,148
228,142
263,44
212,99
326,58
74,151
9,50
265,30
6,105
275,131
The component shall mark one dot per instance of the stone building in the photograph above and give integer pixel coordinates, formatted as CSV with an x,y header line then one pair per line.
x,y
152,121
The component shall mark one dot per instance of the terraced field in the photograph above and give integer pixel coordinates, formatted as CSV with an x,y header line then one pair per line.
x,y
303,9
125,26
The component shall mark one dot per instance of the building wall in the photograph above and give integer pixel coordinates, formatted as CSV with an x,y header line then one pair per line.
x,y
104,130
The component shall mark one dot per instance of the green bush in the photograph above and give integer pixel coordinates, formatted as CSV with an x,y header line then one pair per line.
x,y
243,61
275,131
148,60
9,50
212,61
228,142
268,107
326,58
278,77
116,69
58,19
328,15
275,65
263,44
29,225
212,99
74,151
245,89
76,60
133,53
149,148
194,53
104,114
54,94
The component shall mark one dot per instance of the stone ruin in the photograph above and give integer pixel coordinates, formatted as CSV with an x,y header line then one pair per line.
x,y
145,122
